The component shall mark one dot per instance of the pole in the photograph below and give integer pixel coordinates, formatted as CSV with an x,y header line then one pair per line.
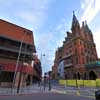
x,y
44,81
44,77
49,84
20,76
49,81
18,87
16,68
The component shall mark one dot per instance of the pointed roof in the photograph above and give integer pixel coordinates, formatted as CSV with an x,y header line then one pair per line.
x,y
74,21
86,28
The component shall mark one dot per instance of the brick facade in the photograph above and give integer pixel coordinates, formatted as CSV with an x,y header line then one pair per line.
x,y
78,50
11,39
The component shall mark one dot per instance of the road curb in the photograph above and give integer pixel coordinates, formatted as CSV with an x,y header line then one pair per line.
x,y
25,94
76,94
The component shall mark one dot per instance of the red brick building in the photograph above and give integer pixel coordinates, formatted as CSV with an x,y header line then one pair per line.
x,y
79,53
11,38
58,57
37,69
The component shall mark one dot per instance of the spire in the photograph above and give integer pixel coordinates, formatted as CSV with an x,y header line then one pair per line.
x,y
86,28
73,12
75,22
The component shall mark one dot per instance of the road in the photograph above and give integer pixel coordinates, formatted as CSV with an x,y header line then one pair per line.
x,y
44,96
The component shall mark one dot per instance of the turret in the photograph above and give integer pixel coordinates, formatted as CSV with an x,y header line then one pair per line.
x,y
87,31
75,25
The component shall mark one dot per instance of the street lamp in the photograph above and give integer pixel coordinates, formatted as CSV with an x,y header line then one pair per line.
x,y
44,81
44,77
42,55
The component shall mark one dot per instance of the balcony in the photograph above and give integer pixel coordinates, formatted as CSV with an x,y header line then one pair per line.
x,y
68,65
68,55
16,50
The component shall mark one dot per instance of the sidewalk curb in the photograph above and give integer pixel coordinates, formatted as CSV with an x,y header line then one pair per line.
x,y
24,94
77,94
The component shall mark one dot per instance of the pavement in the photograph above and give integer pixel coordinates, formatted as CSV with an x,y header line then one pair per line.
x,y
26,90
44,96
82,92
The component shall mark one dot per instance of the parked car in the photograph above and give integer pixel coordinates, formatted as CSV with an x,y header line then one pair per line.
x,y
97,95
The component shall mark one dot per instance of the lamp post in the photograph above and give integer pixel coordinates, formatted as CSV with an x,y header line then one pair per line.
x,y
44,81
44,77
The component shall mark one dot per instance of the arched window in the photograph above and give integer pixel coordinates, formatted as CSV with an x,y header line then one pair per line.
x,y
92,75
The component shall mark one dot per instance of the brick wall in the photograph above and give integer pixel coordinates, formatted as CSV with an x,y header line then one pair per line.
x,y
15,32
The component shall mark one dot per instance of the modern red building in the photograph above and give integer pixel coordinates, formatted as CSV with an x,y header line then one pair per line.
x,y
78,53
12,37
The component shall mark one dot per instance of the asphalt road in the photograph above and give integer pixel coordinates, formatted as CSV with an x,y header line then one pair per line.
x,y
44,96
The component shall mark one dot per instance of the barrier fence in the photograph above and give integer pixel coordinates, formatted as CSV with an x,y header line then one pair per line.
x,y
79,83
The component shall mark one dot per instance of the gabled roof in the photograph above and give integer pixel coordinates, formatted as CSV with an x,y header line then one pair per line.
x,y
86,28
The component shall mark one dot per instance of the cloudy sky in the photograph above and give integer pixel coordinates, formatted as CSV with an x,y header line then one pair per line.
x,y
49,20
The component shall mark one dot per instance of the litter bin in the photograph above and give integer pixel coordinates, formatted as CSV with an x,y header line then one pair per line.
x,y
97,95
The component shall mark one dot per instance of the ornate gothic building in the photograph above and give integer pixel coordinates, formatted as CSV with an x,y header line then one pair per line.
x,y
78,54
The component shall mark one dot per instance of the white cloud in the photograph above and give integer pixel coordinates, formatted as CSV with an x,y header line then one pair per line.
x,y
28,16
55,36
35,15
85,3
97,41
25,12
61,29
45,39
90,9
60,43
62,25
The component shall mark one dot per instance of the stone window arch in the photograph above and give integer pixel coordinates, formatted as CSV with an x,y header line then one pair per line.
x,y
92,75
